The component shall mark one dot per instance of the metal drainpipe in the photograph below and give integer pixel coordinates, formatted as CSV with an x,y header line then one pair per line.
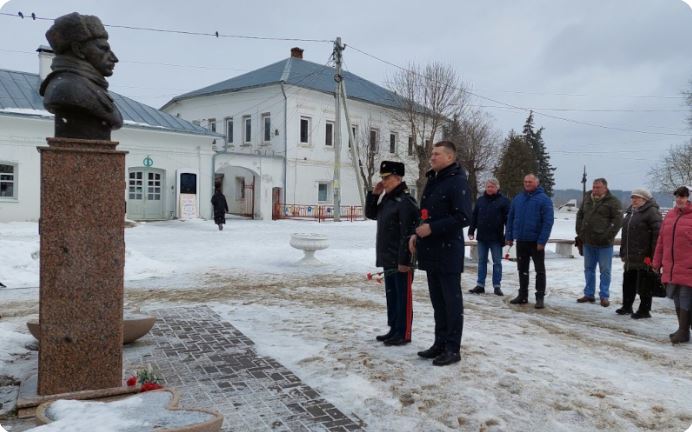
x,y
285,142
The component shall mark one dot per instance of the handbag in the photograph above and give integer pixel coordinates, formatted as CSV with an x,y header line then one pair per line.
x,y
652,281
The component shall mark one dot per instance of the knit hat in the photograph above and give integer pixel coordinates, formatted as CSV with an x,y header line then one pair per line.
x,y
641,193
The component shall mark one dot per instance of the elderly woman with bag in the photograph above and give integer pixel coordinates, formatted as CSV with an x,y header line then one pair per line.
x,y
639,234
673,258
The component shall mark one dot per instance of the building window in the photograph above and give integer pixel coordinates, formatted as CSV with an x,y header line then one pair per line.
x,y
8,180
305,130
410,146
229,130
212,124
247,129
329,134
354,129
323,191
136,185
267,126
374,139
392,143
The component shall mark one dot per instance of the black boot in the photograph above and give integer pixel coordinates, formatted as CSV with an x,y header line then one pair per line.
x,y
520,299
396,341
432,352
683,333
385,336
447,358
498,291
624,310
539,303
677,314
478,290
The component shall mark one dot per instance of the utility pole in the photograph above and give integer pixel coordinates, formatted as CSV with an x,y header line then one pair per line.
x,y
355,158
337,55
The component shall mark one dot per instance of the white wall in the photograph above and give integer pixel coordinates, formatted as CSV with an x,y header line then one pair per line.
x,y
20,135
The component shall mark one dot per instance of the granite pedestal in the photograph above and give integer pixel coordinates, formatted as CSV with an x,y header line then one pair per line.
x,y
82,264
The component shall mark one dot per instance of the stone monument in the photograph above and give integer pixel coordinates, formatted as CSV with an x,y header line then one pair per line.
x,y
82,216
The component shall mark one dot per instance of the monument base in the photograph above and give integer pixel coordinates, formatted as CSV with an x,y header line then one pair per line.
x,y
29,399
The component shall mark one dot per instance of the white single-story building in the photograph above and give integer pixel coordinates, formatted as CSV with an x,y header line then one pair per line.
x,y
169,160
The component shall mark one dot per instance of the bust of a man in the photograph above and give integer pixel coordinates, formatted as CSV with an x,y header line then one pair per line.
x,y
76,90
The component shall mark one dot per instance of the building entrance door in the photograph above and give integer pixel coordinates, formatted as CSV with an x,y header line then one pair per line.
x,y
145,194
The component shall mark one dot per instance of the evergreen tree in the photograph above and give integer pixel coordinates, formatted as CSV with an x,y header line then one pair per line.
x,y
517,160
544,170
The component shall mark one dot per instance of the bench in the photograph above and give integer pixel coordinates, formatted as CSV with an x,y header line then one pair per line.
x,y
564,248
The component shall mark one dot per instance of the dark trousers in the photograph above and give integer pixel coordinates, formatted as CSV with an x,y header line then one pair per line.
x,y
633,282
400,297
527,251
448,307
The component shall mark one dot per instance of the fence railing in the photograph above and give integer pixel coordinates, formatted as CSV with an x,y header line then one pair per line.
x,y
320,212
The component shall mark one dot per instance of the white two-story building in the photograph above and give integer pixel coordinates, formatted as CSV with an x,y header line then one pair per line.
x,y
280,132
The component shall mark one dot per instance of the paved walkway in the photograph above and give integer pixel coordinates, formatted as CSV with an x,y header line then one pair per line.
x,y
213,365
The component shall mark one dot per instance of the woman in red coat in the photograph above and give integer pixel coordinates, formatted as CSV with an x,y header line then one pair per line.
x,y
673,258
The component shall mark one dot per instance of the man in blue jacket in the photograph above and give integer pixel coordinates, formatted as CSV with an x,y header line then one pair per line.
x,y
529,222
439,243
489,218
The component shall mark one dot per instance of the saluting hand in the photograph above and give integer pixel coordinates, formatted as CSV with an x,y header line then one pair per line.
x,y
379,188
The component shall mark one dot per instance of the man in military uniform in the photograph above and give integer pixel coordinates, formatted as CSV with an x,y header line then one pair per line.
x,y
397,216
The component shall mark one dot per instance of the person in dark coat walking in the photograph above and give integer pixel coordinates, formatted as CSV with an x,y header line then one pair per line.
x,y
529,222
598,221
639,235
489,218
220,208
439,245
397,218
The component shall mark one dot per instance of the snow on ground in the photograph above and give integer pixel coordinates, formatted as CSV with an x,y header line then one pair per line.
x,y
570,367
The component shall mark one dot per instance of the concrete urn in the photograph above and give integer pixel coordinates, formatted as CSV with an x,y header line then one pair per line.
x,y
309,243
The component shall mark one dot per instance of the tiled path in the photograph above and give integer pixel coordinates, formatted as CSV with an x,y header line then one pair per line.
x,y
213,365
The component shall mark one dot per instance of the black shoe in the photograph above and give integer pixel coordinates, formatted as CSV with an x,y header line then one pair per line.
x,y
477,290
519,300
384,337
446,358
539,304
624,311
396,341
498,292
640,315
431,352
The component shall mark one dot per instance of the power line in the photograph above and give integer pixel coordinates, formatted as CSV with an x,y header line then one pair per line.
x,y
565,119
215,34
586,95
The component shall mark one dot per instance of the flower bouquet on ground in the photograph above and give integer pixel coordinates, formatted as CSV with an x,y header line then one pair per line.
x,y
147,379
379,276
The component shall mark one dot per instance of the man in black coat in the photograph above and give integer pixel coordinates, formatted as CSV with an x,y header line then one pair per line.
x,y
397,218
220,208
439,244
489,218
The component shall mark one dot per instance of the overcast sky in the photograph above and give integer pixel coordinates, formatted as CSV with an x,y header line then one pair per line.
x,y
615,64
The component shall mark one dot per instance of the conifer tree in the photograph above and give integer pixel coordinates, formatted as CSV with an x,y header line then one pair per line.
x,y
517,160
544,170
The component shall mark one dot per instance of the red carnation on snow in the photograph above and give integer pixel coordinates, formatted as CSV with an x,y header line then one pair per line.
x,y
132,381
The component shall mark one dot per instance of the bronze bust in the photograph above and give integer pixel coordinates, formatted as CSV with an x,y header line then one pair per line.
x,y
76,90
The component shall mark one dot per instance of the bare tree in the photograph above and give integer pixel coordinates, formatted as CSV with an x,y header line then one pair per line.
x,y
428,97
674,170
478,147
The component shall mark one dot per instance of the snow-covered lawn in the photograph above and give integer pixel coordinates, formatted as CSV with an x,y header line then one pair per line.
x,y
569,367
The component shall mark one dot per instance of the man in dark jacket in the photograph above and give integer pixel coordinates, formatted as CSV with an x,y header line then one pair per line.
x,y
529,222
220,208
598,221
490,218
439,244
397,217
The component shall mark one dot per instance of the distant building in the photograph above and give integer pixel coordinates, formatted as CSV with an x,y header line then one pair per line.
x,y
279,126
167,155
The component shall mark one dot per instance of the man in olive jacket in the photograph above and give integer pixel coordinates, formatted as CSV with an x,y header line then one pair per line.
x,y
598,221
397,218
